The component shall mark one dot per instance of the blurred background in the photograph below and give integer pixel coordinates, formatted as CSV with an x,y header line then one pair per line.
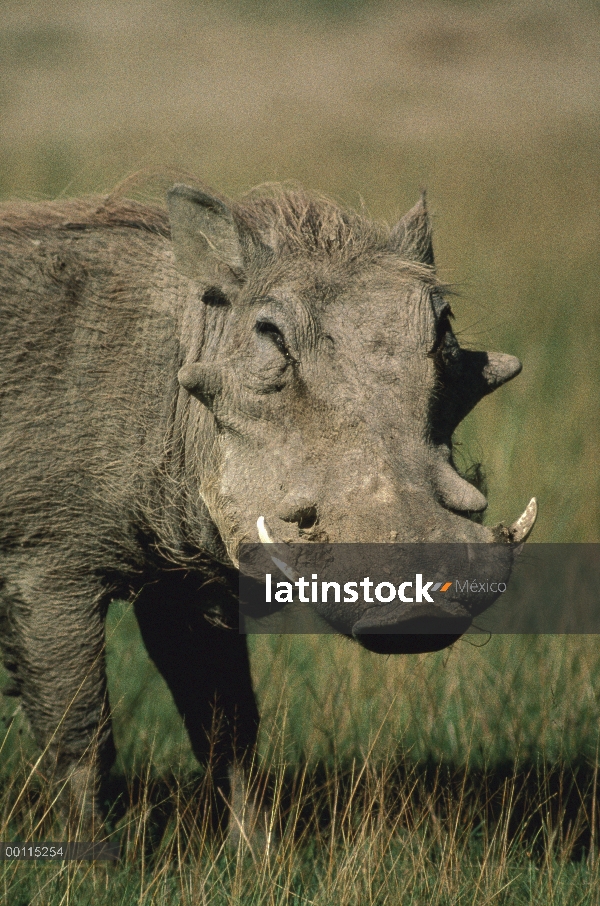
x,y
495,108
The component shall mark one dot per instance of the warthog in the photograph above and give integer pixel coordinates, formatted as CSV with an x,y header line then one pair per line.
x,y
174,384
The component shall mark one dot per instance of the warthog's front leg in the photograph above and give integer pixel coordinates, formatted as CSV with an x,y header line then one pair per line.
x,y
52,635
207,670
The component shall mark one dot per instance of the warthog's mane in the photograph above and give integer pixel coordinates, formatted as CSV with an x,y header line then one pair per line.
x,y
292,221
83,213
286,218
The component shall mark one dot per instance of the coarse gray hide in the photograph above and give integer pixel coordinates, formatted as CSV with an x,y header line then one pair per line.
x,y
170,385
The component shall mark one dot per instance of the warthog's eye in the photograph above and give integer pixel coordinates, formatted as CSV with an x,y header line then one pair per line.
x,y
443,329
273,333
441,332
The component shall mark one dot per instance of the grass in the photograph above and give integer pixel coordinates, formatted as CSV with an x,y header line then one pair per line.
x,y
441,853
468,776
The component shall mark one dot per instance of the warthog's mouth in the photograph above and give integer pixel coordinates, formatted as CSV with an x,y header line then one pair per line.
x,y
516,533
403,626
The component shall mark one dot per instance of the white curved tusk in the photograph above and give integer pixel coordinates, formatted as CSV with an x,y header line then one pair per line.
x,y
521,528
263,534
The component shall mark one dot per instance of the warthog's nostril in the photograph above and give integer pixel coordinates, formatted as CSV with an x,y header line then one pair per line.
x,y
307,517
303,514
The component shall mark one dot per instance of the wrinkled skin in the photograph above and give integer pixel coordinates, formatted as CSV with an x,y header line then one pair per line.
x,y
164,386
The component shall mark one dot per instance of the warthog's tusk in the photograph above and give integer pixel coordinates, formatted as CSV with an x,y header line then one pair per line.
x,y
265,538
521,528
263,534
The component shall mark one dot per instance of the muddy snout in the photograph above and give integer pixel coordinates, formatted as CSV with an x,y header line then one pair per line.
x,y
396,590
433,614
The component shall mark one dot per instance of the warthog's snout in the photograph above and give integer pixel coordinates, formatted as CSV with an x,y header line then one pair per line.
x,y
408,625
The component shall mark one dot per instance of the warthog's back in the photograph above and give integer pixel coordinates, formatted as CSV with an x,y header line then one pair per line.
x,y
86,347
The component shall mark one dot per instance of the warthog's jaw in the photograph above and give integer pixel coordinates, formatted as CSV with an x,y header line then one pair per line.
x,y
412,628
419,636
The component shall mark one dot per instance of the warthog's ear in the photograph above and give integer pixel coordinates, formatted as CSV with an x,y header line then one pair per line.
x,y
411,237
204,234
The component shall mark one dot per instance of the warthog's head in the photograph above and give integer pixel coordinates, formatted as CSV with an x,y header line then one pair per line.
x,y
327,375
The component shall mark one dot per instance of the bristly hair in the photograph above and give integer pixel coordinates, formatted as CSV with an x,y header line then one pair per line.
x,y
286,218
290,220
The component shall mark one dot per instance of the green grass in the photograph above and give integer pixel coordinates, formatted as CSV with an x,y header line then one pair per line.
x,y
465,776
